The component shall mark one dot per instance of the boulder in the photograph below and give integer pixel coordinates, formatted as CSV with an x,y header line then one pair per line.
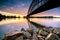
x,y
19,38
49,30
52,36
27,34
57,30
26,39
44,33
34,37
40,37
13,33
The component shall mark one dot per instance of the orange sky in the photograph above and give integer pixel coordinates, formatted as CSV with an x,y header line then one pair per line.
x,y
10,14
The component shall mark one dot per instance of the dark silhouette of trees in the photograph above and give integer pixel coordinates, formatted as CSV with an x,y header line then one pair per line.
x,y
3,16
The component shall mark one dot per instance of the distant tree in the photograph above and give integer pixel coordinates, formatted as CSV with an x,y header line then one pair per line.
x,y
0,14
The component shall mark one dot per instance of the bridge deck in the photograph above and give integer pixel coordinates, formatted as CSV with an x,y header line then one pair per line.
x,y
49,5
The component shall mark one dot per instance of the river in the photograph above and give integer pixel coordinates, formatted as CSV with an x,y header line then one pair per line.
x,y
11,24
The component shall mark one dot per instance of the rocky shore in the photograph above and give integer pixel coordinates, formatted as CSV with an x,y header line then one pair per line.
x,y
47,33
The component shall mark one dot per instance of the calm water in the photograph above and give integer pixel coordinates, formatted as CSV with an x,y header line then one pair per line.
x,y
9,25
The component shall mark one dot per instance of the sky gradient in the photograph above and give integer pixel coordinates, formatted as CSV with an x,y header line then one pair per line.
x,y
22,6
15,6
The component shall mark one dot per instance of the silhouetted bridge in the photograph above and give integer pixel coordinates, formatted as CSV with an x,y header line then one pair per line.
x,y
38,6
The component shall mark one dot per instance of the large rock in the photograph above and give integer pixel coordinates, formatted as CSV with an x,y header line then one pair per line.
x,y
40,37
57,30
52,36
34,37
26,39
13,33
0,38
19,38
48,29
27,34
44,33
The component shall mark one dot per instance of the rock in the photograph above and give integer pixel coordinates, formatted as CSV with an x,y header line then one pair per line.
x,y
26,39
33,28
52,36
23,29
27,34
49,30
13,33
57,30
30,31
58,35
34,34
44,33
34,37
19,38
0,39
40,37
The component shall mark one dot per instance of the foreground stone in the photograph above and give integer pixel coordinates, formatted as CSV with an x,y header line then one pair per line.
x,y
41,34
13,33
19,38
27,34
52,36
57,30
44,33
34,37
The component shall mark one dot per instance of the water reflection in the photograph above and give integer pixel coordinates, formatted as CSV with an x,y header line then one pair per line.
x,y
52,22
11,24
11,20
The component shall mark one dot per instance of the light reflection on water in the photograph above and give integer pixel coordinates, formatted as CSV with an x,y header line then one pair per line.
x,y
9,25
53,22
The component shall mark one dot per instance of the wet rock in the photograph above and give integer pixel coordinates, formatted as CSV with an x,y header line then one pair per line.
x,y
57,30
27,39
23,29
34,34
52,36
44,33
13,33
0,39
40,37
19,38
30,31
49,30
58,35
12,37
34,37
27,34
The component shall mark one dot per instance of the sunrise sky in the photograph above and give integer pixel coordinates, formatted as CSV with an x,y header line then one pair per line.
x,y
21,7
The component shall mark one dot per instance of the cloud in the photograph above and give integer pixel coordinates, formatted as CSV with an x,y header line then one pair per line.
x,y
14,5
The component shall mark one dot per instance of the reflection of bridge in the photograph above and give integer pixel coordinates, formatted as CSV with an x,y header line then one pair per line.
x,y
42,5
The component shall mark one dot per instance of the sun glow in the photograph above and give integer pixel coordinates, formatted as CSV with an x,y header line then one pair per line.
x,y
21,16
7,21
11,14
56,16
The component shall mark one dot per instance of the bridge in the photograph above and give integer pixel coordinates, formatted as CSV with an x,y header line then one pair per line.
x,y
38,6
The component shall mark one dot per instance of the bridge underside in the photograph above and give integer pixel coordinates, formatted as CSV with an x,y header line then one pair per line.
x,y
49,5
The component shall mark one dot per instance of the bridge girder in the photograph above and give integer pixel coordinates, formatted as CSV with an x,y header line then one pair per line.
x,y
45,5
